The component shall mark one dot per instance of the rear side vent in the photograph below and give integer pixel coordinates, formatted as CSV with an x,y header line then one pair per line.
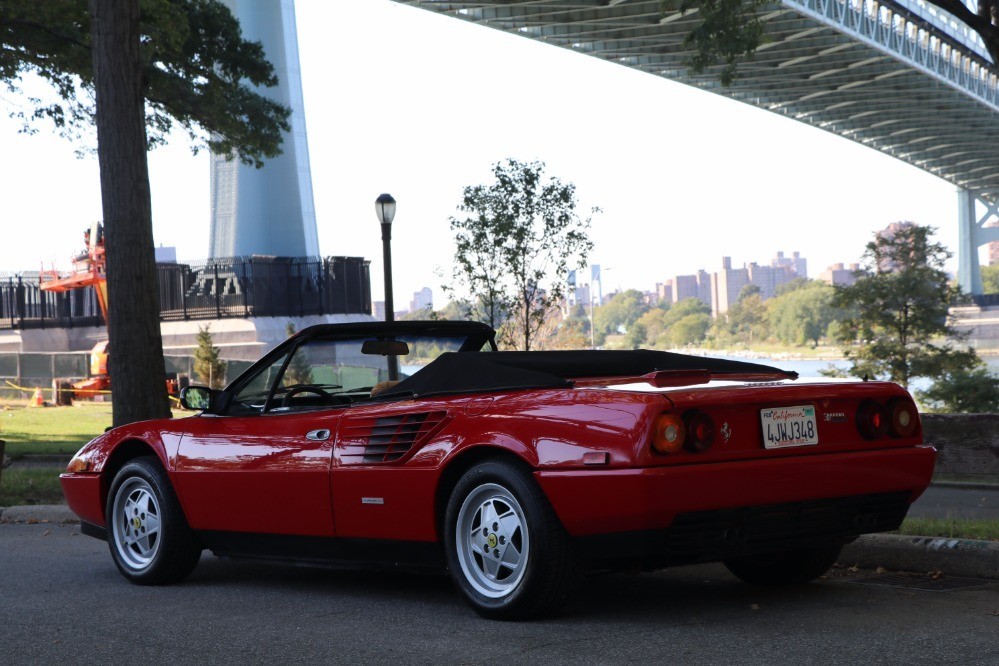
x,y
367,441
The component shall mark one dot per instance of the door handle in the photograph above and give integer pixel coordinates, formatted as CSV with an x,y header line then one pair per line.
x,y
318,435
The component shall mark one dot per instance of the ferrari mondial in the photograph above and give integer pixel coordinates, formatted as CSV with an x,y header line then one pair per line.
x,y
418,445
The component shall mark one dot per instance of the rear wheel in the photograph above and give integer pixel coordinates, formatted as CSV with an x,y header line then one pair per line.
x,y
506,550
792,567
148,535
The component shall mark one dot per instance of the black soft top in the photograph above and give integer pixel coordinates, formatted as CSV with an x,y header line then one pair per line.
x,y
503,371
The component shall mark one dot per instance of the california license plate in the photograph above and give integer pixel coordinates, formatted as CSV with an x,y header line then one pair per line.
x,y
789,426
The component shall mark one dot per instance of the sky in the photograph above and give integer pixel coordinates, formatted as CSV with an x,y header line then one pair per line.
x,y
405,101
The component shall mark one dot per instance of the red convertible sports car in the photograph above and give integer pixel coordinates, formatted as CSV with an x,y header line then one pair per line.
x,y
418,445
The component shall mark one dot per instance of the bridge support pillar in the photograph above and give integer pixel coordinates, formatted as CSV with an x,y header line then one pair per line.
x,y
972,234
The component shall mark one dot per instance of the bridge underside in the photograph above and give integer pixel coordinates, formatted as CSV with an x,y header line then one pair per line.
x,y
884,81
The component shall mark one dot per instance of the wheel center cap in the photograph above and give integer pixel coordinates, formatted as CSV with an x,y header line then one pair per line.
x,y
136,523
492,541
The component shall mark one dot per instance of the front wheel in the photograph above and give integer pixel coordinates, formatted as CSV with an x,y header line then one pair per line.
x,y
149,538
792,567
506,549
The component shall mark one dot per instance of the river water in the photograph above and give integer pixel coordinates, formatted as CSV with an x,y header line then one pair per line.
x,y
813,368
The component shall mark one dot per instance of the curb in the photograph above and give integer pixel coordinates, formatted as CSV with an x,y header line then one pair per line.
x,y
954,557
38,513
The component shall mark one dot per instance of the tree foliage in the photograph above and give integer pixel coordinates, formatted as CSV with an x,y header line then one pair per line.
x,y
899,324
196,73
617,314
515,246
963,390
803,314
208,365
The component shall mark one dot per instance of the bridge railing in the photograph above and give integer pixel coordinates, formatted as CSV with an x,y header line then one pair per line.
x,y
911,37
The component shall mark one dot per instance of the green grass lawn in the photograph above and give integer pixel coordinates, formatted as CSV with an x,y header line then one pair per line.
x,y
950,528
52,430
32,485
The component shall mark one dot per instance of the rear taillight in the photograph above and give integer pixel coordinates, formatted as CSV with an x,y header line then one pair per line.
x,y
668,434
695,432
872,421
902,417
700,432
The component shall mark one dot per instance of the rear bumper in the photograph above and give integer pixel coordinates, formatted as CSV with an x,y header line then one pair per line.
x,y
593,503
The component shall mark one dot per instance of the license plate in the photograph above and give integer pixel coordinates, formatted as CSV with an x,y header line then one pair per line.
x,y
789,426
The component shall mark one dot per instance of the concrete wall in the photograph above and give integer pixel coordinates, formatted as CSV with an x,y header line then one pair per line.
x,y
967,445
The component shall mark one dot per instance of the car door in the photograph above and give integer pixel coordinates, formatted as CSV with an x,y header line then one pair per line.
x,y
261,462
266,473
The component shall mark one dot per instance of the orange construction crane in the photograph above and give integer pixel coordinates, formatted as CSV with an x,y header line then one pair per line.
x,y
88,270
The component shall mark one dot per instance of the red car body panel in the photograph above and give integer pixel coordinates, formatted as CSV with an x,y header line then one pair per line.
x,y
599,502
383,469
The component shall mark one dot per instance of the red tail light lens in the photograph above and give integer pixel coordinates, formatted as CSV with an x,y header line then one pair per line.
x,y
903,418
668,434
872,421
700,432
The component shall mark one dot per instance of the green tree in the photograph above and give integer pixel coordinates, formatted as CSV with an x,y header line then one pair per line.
x,y
963,390
804,314
654,325
617,314
208,366
515,246
745,322
135,75
686,323
990,279
900,323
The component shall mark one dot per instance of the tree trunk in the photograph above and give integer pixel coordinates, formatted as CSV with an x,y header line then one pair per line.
x,y
136,347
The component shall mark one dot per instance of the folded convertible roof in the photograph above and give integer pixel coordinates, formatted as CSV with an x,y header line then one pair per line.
x,y
494,371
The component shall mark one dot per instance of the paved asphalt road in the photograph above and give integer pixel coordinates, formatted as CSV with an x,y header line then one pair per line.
x,y
957,502
62,600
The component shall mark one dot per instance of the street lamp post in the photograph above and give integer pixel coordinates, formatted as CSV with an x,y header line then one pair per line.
x,y
385,209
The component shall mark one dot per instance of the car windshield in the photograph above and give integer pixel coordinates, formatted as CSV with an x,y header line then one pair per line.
x,y
334,370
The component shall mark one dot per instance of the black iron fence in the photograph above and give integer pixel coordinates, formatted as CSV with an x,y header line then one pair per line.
x,y
225,288
24,305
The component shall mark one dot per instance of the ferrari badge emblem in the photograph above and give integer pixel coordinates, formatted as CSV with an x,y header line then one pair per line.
x,y
726,431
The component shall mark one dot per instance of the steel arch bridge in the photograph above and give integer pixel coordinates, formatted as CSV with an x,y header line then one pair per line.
x,y
900,76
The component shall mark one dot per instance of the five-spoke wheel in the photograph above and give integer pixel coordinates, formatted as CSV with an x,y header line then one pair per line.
x,y
492,540
135,526
148,535
506,550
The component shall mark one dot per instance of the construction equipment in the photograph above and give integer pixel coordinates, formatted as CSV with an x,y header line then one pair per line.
x,y
89,271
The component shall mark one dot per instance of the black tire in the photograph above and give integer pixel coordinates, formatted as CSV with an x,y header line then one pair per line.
x,y
148,536
526,545
793,567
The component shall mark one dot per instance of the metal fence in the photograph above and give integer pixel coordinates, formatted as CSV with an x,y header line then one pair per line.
x,y
224,288
24,305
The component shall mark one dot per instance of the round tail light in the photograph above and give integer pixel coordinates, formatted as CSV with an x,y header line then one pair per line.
x,y
668,434
872,421
700,432
903,418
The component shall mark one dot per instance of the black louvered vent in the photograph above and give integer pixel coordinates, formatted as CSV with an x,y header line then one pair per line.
x,y
386,439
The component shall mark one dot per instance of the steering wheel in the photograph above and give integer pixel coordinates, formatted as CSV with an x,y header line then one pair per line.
x,y
328,398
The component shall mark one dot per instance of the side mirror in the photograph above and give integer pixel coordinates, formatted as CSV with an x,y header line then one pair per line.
x,y
197,398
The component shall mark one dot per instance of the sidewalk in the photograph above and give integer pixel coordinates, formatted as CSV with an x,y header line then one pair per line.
x,y
952,557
